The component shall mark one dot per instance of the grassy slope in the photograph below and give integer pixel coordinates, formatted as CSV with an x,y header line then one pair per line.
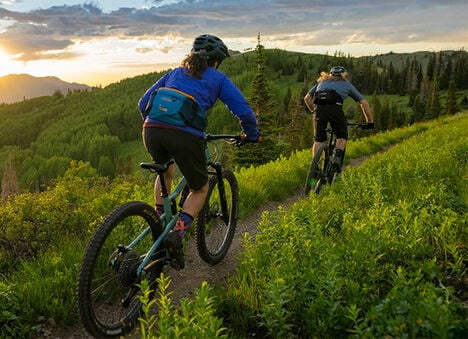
x,y
379,253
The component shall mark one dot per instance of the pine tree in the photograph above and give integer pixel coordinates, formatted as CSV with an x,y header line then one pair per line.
x,y
439,66
299,132
451,106
390,86
420,103
264,106
261,99
446,75
413,79
302,74
433,105
419,108
431,65
460,70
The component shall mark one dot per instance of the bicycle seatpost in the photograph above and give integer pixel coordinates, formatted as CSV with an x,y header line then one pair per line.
x,y
164,192
160,170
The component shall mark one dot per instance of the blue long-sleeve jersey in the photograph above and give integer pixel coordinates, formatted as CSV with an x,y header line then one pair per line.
x,y
213,85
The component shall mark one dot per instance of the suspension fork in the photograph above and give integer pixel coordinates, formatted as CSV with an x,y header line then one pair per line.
x,y
221,189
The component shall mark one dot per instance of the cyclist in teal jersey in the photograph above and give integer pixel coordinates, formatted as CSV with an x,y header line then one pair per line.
x,y
325,99
174,114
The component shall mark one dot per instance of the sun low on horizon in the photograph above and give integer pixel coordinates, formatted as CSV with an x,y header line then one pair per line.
x,y
7,65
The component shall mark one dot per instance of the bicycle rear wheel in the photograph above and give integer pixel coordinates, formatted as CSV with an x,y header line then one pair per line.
x,y
107,291
316,176
215,227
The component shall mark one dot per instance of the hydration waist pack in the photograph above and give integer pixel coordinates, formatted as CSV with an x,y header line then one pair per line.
x,y
327,97
176,108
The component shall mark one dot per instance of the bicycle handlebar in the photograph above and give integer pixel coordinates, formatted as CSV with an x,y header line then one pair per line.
x,y
235,139
223,136
356,124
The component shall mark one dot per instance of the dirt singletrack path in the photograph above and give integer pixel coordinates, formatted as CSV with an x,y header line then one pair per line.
x,y
184,282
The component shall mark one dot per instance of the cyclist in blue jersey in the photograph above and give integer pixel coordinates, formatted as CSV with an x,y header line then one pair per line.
x,y
174,114
325,99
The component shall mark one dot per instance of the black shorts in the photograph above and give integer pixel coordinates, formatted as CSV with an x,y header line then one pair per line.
x,y
188,151
334,115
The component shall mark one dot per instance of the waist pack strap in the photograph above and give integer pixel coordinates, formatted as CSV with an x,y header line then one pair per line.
x,y
180,92
175,107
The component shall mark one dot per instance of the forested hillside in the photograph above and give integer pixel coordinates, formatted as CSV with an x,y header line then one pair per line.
x,y
387,260
40,137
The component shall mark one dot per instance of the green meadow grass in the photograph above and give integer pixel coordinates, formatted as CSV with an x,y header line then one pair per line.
x,y
378,253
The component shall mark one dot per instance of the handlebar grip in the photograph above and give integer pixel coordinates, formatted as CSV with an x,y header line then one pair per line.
x,y
357,124
236,138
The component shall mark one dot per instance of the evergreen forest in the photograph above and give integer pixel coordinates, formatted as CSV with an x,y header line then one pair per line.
x,y
40,137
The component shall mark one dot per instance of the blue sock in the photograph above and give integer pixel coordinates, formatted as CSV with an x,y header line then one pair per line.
x,y
183,224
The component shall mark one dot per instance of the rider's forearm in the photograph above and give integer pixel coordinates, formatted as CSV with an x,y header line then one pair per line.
x,y
366,110
309,101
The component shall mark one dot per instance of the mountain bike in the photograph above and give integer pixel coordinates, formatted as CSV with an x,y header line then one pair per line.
x,y
128,247
322,170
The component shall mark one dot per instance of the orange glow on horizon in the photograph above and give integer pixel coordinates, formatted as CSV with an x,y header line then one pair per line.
x,y
5,66
8,64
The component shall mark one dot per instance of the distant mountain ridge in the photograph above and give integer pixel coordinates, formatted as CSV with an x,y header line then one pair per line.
x,y
18,87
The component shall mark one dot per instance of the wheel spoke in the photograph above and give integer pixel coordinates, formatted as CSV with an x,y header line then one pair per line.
x,y
215,229
107,292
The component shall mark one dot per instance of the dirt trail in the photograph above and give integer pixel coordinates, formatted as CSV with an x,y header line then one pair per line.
x,y
184,282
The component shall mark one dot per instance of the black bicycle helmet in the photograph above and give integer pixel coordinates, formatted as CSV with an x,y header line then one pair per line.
x,y
214,47
337,70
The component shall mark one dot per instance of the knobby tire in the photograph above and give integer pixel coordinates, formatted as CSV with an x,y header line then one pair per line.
x,y
214,232
317,179
101,287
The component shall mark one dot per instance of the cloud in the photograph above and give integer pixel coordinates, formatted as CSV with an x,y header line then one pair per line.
x,y
54,31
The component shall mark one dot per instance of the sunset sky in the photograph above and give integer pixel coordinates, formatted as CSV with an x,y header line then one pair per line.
x,y
101,42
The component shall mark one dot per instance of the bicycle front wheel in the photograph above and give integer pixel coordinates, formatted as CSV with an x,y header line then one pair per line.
x,y
216,222
316,177
107,289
